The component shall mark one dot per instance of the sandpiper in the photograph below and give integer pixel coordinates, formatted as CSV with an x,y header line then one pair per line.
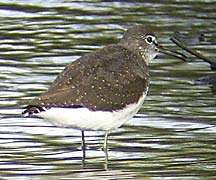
x,y
103,89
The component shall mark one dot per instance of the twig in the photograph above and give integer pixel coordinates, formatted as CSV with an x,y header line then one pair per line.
x,y
194,52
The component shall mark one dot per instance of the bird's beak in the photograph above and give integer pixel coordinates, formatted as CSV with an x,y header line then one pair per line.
x,y
170,52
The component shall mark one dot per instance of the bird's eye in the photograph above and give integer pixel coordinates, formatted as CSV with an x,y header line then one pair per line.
x,y
150,39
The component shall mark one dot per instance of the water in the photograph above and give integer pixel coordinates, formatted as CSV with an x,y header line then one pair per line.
x,y
172,137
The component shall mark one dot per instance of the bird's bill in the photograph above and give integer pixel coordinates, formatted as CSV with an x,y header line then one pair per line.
x,y
170,52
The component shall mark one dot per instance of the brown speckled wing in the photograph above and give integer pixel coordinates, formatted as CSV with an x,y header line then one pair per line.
x,y
107,79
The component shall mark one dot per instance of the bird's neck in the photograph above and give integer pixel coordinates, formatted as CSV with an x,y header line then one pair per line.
x,y
138,50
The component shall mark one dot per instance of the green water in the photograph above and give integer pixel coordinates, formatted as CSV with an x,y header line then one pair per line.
x,y
172,137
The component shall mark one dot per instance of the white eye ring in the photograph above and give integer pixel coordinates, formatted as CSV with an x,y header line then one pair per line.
x,y
150,39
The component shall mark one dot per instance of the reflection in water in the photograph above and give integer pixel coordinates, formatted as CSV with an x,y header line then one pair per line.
x,y
172,137
208,80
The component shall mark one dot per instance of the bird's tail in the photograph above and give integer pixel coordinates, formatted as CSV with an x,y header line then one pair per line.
x,y
32,109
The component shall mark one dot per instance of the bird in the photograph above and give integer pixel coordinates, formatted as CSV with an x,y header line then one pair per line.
x,y
103,89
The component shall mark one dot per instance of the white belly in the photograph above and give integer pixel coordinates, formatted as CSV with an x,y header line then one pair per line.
x,y
85,119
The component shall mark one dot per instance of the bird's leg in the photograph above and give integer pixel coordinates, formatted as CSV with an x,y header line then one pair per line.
x,y
83,149
105,149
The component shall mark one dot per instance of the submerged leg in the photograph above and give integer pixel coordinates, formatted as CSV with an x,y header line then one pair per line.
x,y
105,149
83,149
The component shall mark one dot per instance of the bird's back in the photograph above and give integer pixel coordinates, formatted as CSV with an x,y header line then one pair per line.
x,y
107,79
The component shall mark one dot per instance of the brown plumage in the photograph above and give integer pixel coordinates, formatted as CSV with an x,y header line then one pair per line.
x,y
107,79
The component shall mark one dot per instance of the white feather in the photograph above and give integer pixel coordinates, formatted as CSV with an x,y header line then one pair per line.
x,y
85,119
